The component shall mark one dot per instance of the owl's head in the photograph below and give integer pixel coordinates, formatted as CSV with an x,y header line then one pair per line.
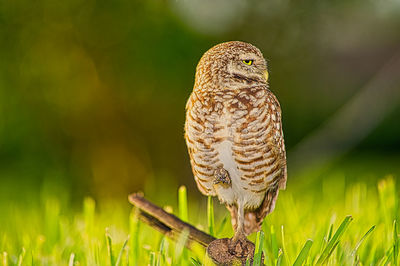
x,y
231,65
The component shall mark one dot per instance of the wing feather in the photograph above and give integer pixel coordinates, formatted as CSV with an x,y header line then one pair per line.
x,y
276,146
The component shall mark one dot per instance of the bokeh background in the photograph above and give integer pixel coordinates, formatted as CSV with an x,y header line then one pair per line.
x,y
92,93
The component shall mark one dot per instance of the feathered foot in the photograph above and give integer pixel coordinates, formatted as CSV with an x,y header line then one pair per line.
x,y
221,177
240,246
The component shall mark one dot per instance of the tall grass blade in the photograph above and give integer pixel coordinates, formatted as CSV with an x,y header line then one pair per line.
x,y
134,237
180,246
32,259
388,199
89,206
119,258
183,213
163,249
387,258
330,233
334,240
195,262
259,248
274,243
158,259
221,226
285,254
301,258
182,202
71,259
21,257
354,252
5,259
152,258
395,243
280,256
331,251
109,248
52,221
210,215
326,238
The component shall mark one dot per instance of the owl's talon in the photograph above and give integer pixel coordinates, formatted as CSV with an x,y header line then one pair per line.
x,y
241,247
222,177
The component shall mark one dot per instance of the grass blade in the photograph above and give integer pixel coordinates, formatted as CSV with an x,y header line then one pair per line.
x,y
326,238
134,237
303,253
182,202
163,250
5,259
89,207
195,262
158,260
71,260
285,254
259,248
221,226
109,248
388,199
210,215
330,232
332,249
152,258
334,240
180,247
21,257
162,245
183,214
279,260
353,253
274,243
121,252
395,243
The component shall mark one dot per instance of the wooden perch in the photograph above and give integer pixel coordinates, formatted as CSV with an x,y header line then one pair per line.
x,y
167,223
171,226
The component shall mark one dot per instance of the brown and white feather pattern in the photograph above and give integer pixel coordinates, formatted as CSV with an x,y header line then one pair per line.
x,y
238,129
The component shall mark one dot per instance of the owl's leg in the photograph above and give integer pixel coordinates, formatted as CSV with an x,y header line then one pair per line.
x,y
239,245
239,232
221,176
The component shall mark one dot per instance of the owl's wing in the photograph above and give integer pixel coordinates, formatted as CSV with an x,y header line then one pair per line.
x,y
275,143
278,143
201,153
277,146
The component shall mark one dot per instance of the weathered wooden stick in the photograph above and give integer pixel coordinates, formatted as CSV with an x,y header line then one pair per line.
x,y
167,223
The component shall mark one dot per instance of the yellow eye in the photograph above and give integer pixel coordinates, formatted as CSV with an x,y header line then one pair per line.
x,y
248,62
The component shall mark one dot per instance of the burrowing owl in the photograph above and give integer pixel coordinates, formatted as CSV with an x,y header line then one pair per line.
x,y
233,131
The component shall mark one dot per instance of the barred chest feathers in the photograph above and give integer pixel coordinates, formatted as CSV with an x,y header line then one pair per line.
x,y
240,131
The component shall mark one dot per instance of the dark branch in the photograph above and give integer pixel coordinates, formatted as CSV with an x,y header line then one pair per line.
x,y
167,223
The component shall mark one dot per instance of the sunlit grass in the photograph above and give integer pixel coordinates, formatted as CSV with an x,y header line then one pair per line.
x,y
210,215
334,224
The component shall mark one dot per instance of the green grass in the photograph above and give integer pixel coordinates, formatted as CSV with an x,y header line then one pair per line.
x,y
210,215
331,223
303,253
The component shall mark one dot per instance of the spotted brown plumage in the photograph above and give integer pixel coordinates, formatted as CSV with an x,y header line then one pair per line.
x,y
234,136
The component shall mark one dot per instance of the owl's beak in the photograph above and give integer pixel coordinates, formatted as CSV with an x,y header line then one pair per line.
x,y
266,75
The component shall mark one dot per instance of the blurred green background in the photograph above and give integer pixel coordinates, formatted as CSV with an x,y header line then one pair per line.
x,y
92,93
